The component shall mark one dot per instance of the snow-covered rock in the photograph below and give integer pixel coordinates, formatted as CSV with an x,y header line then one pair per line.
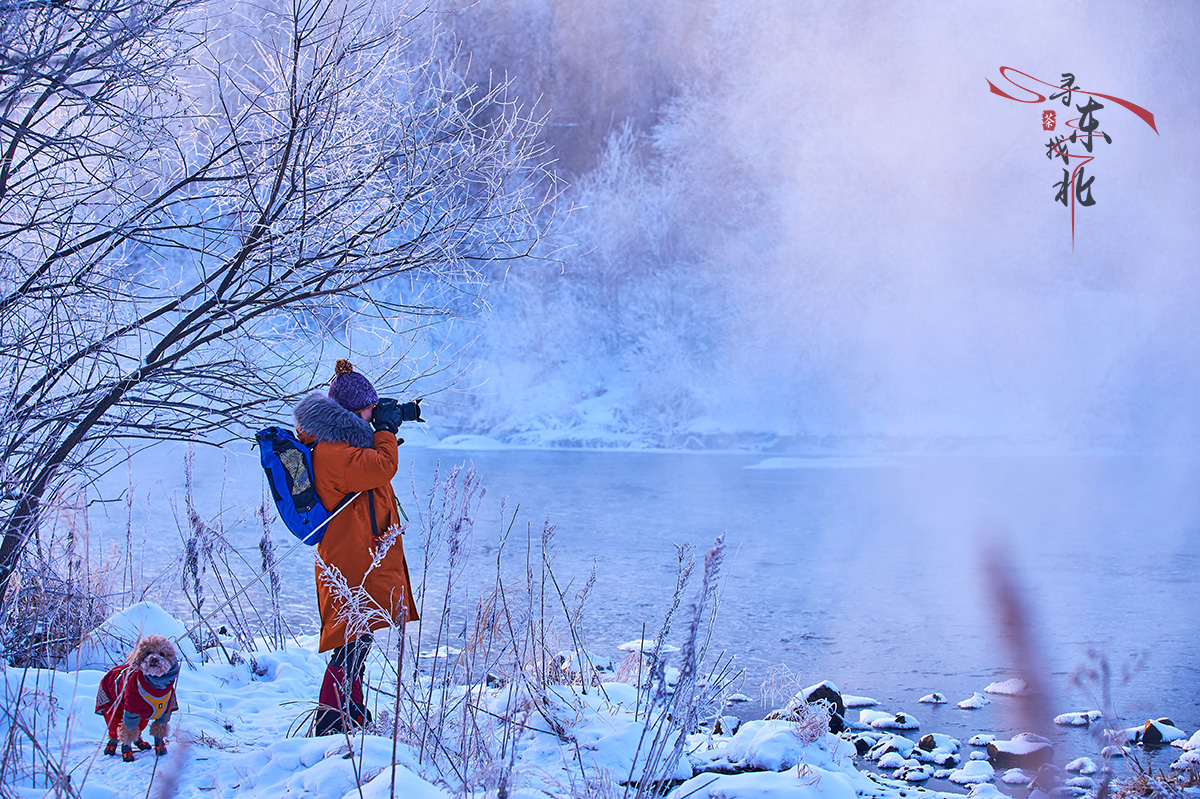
x,y
973,771
585,663
726,725
111,642
774,746
914,773
859,701
891,743
824,770
974,702
1158,732
946,759
881,720
1079,719
1026,753
1188,761
646,645
1011,687
1016,776
937,742
981,739
933,699
1082,765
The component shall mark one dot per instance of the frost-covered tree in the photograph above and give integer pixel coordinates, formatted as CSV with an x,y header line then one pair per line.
x,y
192,200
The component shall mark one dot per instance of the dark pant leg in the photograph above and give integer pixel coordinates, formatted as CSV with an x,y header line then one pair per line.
x,y
341,701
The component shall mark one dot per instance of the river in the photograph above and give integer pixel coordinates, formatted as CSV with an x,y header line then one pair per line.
x,y
869,572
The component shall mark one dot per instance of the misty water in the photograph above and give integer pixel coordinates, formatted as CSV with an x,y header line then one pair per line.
x,y
869,572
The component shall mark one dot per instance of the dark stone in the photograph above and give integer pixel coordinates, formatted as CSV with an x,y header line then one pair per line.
x,y
1023,754
726,725
1152,732
823,692
862,746
1047,778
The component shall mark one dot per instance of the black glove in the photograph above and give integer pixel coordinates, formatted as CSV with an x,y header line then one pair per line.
x,y
386,415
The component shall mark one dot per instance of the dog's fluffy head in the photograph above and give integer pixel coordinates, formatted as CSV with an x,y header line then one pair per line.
x,y
154,655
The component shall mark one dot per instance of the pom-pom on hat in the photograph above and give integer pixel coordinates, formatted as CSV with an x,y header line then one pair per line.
x,y
350,389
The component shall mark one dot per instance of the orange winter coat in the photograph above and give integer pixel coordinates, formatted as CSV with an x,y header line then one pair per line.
x,y
340,468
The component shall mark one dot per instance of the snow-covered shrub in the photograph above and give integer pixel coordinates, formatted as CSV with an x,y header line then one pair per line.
x,y
58,593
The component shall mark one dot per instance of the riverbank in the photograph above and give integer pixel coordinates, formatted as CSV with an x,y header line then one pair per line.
x,y
242,731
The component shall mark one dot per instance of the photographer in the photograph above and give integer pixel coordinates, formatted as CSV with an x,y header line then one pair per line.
x,y
352,433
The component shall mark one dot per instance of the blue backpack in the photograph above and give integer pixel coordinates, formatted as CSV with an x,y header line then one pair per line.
x,y
288,464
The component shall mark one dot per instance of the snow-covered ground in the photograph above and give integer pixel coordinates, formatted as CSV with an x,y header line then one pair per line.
x,y
241,732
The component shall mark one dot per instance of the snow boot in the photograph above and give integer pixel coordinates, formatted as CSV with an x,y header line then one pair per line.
x,y
160,746
330,703
358,711
127,753
141,745
110,748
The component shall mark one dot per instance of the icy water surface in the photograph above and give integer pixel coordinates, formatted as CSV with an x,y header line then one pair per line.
x,y
867,572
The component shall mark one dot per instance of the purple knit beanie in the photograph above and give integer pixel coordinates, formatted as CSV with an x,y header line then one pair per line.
x,y
350,389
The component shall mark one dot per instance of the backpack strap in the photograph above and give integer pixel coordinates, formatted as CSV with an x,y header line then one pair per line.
x,y
371,505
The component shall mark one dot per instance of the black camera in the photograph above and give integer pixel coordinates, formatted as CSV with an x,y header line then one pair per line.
x,y
390,413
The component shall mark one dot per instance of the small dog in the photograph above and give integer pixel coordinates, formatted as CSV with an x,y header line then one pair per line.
x,y
140,692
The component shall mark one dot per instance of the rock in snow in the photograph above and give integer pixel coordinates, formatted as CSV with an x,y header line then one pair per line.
x,y
1082,765
111,642
976,701
973,771
859,701
897,721
1021,753
1161,731
937,742
1013,687
646,645
1188,761
933,699
1078,719
1016,776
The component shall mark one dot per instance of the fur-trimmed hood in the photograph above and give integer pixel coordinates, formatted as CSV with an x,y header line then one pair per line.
x,y
325,420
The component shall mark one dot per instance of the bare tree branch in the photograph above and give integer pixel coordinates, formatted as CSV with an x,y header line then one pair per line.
x,y
182,225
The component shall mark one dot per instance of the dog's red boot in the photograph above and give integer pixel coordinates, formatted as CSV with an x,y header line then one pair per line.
x,y
160,747
141,745
331,700
110,748
127,753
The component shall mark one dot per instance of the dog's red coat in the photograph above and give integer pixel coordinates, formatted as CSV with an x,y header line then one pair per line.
x,y
125,688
